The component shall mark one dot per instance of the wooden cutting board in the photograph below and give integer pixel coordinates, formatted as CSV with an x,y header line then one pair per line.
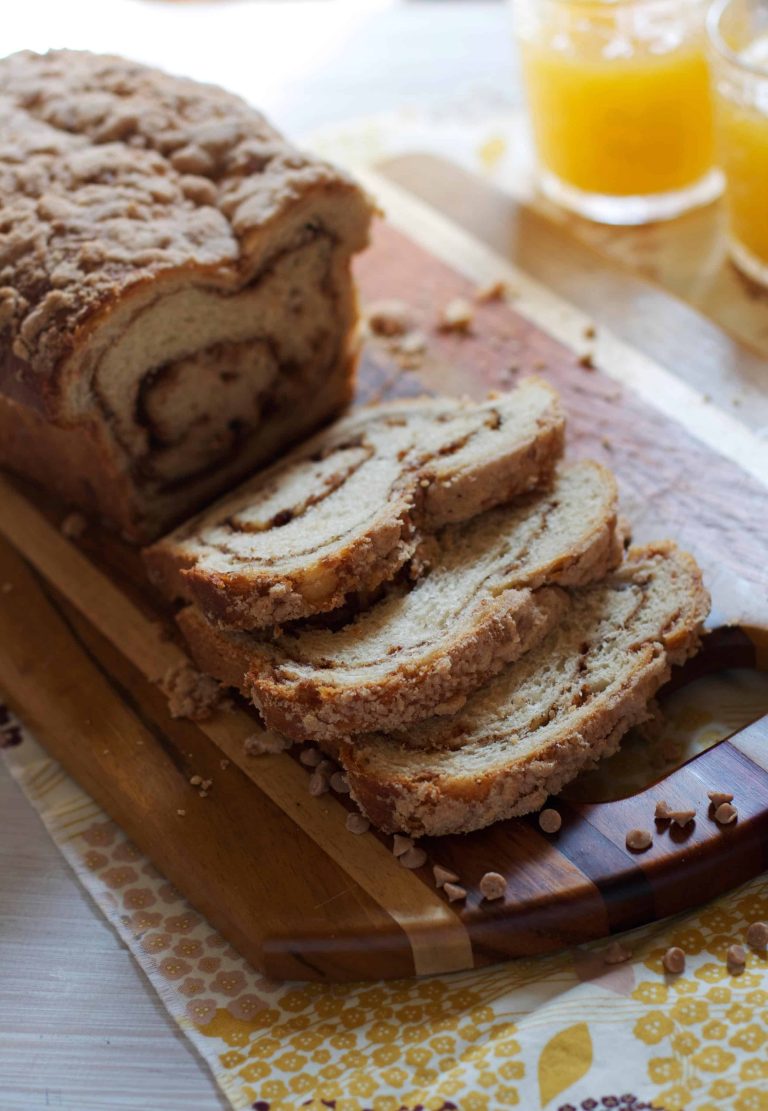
x,y
83,642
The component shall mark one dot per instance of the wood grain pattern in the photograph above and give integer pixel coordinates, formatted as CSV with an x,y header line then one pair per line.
x,y
85,641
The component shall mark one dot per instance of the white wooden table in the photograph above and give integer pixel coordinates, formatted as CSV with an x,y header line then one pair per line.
x,y
79,1026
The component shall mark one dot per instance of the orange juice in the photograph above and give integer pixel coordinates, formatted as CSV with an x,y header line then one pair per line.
x,y
630,125
742,120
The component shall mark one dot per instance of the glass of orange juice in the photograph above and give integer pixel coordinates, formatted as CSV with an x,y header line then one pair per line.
x,y
738,31
620,104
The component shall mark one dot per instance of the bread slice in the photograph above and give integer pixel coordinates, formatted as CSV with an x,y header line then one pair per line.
x,y
343,513
535,726
484,602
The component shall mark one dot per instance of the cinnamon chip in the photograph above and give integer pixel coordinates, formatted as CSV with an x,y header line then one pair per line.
x,y
493,886
736,959
638,840
725,814
616,953
443,875
550,821
674,960
757,936
413,858
717,798
357,823
454,892
401,844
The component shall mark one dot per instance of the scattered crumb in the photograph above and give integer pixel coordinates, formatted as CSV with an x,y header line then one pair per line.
x,y
616,953
454,892
190,694
310,757
717,798
224,764
539,364
638,840
207,784
412,343
493,886
182,813
586,361
736,959
203,794
661,813
443,875
590,331
550,821
681,817
725,814
339,783
706,398
73,526
401,845
607,444
195,780
492,291
413,858
6,588
757,936
357,823
457,316
674,960
389,318
262,744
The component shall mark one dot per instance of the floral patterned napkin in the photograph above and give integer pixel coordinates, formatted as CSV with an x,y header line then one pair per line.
x,y
566,1032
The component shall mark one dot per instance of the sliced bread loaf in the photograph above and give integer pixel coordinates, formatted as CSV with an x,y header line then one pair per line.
x,y
343,512
556,711
484,601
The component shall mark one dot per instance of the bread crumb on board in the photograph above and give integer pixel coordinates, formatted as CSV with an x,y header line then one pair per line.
x,y
456,316
389,318
190,693
264,744
492,291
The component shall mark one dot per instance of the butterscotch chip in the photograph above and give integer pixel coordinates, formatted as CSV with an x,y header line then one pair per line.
x,y
681,817
736,959
493,291
616,953
318,784
717,798
454,892
413,858
401,845
638,840
725,814
357,823
457,316
757,935
310,757
389,318
674,960
493,886
550,821
661,813
339,783
73,526
443,875
262,744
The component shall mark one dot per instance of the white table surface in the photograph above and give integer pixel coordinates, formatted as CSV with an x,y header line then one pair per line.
x,y
80,1028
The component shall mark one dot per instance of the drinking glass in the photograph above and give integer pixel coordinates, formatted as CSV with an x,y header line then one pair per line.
x,y
620,104
738,33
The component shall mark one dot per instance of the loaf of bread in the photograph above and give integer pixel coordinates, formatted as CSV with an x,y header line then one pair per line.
x,y
484,600
345,511
175,294
558,710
